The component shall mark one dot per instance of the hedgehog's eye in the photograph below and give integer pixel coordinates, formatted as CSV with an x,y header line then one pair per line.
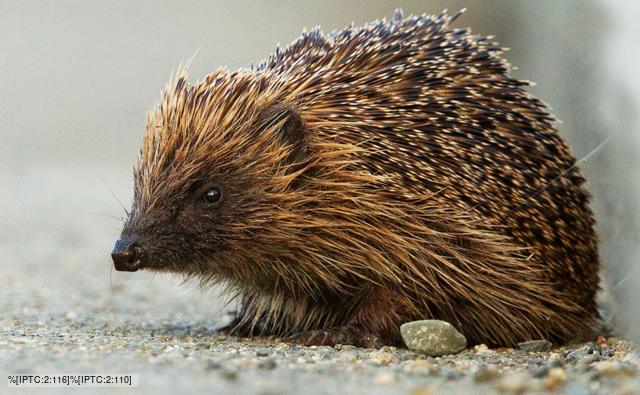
x,y
212,196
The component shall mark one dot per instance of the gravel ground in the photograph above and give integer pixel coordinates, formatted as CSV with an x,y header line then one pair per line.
x,y
63,310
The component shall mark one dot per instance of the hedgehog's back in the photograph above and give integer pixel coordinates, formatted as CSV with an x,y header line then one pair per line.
x,y
435,109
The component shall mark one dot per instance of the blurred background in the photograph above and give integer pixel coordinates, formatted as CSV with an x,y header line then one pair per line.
x,y
76,78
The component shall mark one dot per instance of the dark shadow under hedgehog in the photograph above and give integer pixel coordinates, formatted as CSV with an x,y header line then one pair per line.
x,y
355,181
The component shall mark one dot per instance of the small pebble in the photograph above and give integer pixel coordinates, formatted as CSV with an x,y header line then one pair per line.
x,y
555,377
383,357
540,371
486,374
514,382
347,356
606,351
420,367
588,353
267,364
431,389
450,374
433,337
384,378
535,346
213,365
228,374
614,368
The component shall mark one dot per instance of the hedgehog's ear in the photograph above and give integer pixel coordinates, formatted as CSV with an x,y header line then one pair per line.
x,y
290,130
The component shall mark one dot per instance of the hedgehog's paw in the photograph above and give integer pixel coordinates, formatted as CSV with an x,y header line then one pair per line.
x,y
234,328
226,330
338,335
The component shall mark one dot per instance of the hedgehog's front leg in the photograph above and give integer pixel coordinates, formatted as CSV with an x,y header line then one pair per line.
x,y
235,327
374,324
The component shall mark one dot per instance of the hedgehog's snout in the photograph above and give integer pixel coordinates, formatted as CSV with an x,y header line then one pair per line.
x,y
128,255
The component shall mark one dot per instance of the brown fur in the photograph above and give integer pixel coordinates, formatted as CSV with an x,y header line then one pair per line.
x,y
371,177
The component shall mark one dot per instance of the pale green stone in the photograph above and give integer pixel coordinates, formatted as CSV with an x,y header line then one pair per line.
x,y
433,337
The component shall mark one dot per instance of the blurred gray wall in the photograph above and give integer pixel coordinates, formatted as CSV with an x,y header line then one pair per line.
x,y
76,78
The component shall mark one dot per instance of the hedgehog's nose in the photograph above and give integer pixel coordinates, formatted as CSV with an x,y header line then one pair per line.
x,y
127,254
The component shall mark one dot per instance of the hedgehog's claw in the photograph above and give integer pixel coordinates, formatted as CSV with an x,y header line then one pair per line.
x,y
337,335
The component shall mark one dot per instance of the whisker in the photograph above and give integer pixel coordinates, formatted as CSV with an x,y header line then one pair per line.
x,y
632,273
579,162
115,197
152,278
110,279
564,173
105,215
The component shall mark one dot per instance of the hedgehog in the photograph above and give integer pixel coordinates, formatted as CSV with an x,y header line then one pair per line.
x,y
361,179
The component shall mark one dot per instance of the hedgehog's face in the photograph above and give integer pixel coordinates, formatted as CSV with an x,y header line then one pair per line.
x,y
204,195
183,229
